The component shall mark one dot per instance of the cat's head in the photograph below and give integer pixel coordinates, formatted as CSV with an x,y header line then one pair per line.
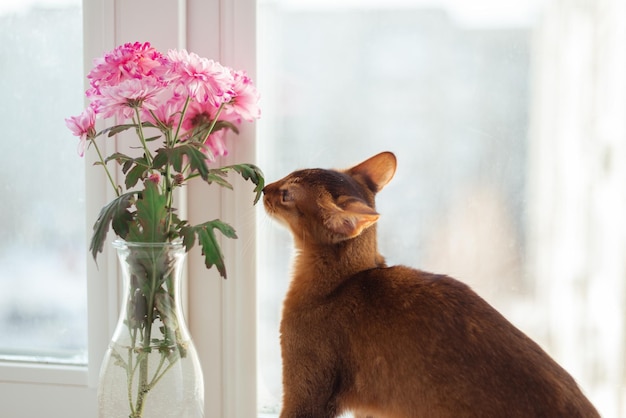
x,y
329,206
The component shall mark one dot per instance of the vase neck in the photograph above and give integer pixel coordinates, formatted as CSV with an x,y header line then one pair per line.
x,y
152,301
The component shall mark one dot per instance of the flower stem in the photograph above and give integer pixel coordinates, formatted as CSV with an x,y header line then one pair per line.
x,y
217,115
106,169
154,277
141,136
169,188
182,116
209,132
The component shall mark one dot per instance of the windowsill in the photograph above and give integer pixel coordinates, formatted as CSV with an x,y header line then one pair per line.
x,y
22,372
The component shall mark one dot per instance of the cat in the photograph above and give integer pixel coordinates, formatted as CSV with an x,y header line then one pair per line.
x,y
394,342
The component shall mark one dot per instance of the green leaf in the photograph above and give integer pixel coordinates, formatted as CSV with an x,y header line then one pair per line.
x,y
119,360
197,160
117,213
119,157
223,124
188,234
171,156
253,173
165,305
149,225
217,176
195,157
210,245
121,222
160,159
114,130
137,172
137,307
176,224
153,138
127,165
200,132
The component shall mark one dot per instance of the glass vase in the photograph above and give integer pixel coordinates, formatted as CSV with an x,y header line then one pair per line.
x,y
151,368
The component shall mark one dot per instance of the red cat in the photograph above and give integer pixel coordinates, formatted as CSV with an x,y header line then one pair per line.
x,y
394,342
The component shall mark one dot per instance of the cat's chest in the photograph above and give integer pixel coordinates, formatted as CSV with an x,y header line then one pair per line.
x,y
311,313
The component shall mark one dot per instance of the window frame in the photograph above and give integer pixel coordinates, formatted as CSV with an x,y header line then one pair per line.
x,y
221,313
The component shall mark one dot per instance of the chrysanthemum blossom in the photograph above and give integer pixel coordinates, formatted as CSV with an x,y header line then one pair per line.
x,y
83,126
131,60
200,116
167,109
135,79
216,145
197,114
122,100
245,103
206,81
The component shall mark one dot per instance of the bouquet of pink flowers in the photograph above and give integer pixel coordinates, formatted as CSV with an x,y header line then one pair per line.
x,y
183,103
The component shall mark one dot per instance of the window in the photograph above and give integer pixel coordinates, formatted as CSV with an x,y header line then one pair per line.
x,y
220,313
42,267
507,121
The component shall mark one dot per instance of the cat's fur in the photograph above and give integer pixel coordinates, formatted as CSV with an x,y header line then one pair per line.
x,y
394,342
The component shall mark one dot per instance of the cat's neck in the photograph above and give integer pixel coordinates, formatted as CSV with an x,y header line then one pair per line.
x,y
319,269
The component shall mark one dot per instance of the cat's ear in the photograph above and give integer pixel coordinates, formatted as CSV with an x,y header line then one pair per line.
x,y
377,171
350,218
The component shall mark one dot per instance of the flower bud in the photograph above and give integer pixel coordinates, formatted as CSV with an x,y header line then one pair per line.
x,y
178,179
155,177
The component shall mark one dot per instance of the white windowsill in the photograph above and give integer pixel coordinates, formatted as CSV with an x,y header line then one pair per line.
x,y
43,373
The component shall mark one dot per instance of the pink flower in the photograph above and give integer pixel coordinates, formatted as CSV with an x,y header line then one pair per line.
x,y
135,77
245,103
206,81
131,60
198,114
201,115
121,100
83,126
215,144
167,112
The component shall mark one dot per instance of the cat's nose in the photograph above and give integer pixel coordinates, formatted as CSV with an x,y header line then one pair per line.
x,y
268,188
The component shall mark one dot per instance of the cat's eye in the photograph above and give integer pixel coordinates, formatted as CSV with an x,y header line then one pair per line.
x,y
286,196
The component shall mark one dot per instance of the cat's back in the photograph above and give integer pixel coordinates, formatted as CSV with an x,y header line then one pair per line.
x,y
412,329
408,295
